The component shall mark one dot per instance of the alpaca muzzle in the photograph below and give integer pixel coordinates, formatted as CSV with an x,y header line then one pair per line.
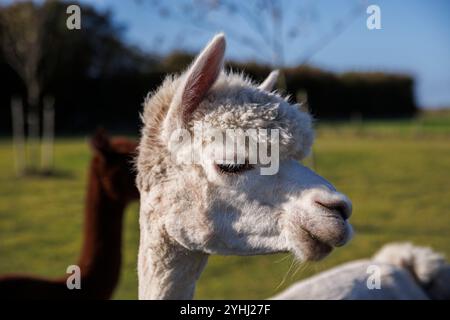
x,y
319,223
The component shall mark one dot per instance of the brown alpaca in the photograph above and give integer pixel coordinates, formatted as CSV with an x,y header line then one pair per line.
x,y
110,188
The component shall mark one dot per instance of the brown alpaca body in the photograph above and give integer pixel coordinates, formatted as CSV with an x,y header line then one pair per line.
x,y
110,189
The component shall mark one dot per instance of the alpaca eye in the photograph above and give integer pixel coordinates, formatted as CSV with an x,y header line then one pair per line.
x,y
234,168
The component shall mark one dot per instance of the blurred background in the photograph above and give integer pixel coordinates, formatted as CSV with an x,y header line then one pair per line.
x,y
380,97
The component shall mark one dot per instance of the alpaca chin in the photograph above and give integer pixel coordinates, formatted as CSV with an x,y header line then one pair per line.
x,y
308,247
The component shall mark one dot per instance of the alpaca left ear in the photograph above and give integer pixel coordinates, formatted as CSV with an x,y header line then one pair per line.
x,y
197,81
270,81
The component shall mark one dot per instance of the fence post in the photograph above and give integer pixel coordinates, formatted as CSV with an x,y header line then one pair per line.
x,y
48,134
18,135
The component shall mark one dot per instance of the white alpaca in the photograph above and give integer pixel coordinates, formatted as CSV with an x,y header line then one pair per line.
x,y
405,271
189,211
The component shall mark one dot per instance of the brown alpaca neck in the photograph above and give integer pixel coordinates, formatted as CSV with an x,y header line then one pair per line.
x,y
101,254
100,258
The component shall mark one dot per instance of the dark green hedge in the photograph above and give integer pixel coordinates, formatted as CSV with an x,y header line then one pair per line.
x,y
367,95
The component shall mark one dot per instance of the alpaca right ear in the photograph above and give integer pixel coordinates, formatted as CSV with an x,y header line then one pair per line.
x,y
270,81
100,142
197,81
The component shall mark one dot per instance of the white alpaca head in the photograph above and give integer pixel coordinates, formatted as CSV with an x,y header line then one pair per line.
x,y
233,208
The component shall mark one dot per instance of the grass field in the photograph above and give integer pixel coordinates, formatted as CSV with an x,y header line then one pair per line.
x,y
396,173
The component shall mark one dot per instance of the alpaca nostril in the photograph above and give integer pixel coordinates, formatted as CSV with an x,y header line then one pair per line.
x,y
343,208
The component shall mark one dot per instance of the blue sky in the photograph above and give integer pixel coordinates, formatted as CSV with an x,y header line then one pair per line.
x,y
414,39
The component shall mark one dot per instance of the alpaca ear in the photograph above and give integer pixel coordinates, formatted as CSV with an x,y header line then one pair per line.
x,y
197,81
100,142
270,81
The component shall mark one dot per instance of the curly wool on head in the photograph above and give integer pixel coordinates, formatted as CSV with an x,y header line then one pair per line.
x,y
234,102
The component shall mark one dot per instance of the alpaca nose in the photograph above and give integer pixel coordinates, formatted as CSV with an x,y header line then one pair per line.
x,y
342,207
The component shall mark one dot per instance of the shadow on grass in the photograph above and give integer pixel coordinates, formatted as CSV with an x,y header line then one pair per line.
x,y
44,174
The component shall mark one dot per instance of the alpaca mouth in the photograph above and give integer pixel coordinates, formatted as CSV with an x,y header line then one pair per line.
x,y
309,247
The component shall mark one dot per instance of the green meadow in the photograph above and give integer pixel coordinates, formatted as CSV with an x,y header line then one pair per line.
x,y
397,173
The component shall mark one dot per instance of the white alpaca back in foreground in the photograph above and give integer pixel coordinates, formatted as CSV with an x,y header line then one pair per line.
x,y
407,272
190,210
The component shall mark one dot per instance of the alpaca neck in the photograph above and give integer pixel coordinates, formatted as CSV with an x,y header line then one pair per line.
x,y
167,270
101,256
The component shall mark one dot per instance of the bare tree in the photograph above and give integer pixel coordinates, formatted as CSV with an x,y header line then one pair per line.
x,y
22,31
269,25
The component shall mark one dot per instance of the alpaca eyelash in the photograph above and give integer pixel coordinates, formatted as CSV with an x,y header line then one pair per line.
x,y
234,168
